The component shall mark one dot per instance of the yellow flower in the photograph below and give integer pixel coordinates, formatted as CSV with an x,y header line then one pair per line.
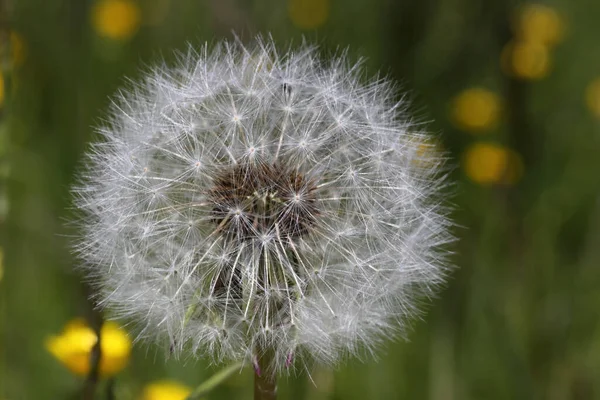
x,y
487,163
537,23
592,97
116,19
308,14
526,60
165,390
74,346
476,109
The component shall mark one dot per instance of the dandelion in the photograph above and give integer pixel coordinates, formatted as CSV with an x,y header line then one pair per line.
x,y
526,60
165,390
539,23
261,206
476,109
116,19
538,28
489,163
73,347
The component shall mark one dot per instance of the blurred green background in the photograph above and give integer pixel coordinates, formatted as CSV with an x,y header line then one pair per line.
x,y
513,91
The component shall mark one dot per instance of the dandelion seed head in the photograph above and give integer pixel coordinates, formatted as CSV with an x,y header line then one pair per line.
x,y
247,199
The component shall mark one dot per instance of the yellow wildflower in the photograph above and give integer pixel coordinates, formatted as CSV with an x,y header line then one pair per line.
x,y
476,109
74,346
592,97
526,60
165,390
537,23
487,163
116,19
308,14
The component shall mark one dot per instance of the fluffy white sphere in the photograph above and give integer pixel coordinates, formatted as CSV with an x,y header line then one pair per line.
x,y
247,200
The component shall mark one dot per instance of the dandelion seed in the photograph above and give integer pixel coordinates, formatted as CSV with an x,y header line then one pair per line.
x,y
249,201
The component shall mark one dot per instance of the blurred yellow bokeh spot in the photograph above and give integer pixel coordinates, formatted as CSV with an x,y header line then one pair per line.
x,y
488,163
476,109
18,49
74,345
308,14
539,24
526,60
116,19
592,97
15,49
165,390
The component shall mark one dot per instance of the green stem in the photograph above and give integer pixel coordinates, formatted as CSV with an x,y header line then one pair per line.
x,y
214,381
93,376
265,381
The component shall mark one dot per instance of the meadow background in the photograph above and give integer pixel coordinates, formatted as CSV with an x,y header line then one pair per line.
x,y
510,88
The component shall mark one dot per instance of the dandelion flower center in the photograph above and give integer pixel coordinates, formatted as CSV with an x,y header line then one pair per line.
x,y
254,201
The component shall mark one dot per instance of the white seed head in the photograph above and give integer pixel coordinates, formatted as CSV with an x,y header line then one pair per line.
x,y
248,199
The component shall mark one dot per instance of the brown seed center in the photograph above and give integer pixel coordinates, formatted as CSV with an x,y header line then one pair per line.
x,y
254,201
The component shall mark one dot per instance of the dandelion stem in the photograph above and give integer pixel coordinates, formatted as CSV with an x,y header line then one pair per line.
x,y
96,321
265,381
214,381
